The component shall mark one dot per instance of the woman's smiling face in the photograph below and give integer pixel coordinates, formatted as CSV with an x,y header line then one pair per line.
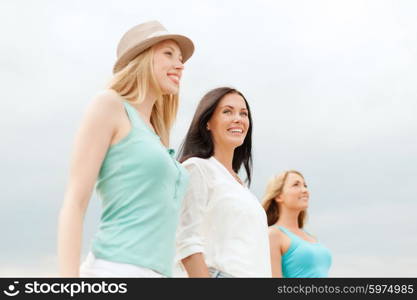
x,y
168,66
229,123
295,194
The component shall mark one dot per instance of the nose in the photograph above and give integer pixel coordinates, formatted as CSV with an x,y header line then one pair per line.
x,y
237,118
179,65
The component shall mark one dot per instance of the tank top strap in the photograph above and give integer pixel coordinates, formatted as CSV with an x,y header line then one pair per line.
x,y
132,114
291,235
136,120
314,237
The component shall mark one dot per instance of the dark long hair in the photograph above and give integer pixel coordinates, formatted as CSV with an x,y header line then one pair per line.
x,y
199,143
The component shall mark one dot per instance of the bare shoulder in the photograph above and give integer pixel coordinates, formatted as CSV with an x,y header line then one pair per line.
x,y
106,106
107,100
275,235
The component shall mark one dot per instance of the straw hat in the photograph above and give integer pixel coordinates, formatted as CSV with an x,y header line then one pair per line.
x,y
145,35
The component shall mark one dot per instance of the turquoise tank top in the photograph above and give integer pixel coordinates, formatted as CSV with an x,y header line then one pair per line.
x,y
304,259
141,186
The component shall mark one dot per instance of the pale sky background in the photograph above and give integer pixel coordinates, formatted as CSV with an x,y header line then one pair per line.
x,y
332,86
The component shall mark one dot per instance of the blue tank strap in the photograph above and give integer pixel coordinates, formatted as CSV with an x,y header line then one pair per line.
x,y
286,231
314,237
294,240
132,114
293,235
136,120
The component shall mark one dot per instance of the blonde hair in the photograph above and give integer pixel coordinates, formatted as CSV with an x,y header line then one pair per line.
x,y
273,190
132,83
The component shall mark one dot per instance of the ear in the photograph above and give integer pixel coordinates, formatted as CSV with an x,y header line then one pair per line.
x,y
278,199
208,126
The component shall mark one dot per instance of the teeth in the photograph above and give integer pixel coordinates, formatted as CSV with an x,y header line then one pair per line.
x,y
236,130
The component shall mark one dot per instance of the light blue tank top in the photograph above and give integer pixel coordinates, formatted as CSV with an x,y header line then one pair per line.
x,y
304,259
141,186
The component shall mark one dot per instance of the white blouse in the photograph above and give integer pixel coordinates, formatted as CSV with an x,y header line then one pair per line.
x,y
223,220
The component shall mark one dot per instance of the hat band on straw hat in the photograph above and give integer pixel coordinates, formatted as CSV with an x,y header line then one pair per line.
x,y
145,35
158,33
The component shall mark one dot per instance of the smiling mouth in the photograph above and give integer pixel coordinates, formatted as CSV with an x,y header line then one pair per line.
x,y
236,131
175,78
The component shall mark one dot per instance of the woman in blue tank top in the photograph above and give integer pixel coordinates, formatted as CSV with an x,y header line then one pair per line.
x,y
294,252
122,147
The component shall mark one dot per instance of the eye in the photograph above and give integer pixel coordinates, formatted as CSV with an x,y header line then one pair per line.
x,y
244,113
169,53
227,111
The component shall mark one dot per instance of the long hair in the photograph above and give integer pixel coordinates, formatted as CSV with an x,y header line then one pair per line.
x,y
132,83
274,190
199,143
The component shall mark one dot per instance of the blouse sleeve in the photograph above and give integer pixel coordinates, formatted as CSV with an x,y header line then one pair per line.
x,y
189,239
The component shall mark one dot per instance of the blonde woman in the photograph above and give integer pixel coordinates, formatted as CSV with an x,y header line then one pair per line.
x,y
294,252
122,146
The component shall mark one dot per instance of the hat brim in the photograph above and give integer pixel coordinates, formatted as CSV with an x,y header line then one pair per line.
x,y
185,44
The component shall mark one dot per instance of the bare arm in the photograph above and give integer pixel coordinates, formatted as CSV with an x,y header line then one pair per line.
x,y
275,242
91,143
195,265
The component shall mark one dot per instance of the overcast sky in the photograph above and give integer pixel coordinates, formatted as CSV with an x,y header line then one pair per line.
x,y
332,88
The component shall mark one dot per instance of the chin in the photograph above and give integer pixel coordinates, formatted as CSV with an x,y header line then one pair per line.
x,y
235,144
170,91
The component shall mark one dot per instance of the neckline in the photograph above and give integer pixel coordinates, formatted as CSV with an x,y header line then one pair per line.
x,y
293,233
227,171
141,119
170,151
